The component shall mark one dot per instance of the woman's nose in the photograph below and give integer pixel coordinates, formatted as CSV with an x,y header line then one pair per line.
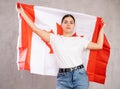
x,y
68,23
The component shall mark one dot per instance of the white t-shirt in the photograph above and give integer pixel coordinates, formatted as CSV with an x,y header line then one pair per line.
x,y
68,50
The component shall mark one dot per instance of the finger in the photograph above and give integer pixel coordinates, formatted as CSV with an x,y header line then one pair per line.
x,y
102,20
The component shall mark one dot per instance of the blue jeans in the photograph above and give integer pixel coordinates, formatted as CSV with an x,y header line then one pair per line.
x,y
76,79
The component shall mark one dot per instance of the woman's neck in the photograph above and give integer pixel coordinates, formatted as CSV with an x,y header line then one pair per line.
x,y
67,34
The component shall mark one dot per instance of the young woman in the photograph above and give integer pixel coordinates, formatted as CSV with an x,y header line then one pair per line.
x,y
68,50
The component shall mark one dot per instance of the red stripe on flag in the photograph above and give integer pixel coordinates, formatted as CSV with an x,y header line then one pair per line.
x,y
26,38
98,59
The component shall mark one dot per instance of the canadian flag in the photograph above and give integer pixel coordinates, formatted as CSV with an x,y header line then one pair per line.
x,y
37,56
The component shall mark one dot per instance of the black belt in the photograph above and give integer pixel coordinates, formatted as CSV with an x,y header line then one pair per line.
x,y
61,70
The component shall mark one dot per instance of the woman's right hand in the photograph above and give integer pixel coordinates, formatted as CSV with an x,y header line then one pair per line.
x,y
19,9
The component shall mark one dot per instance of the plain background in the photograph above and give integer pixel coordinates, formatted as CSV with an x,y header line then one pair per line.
x,y
11,78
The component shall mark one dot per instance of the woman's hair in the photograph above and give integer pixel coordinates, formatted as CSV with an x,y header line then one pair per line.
x,y
67,15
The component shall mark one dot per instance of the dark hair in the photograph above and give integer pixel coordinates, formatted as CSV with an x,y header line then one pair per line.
x,y
67,15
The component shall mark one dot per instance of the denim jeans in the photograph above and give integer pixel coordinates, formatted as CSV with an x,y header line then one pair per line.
x,y
76,79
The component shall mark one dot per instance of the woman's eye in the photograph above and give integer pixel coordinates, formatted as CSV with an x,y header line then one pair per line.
x,y
71,23
65,22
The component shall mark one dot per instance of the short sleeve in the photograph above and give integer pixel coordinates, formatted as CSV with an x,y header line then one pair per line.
x,y
85,42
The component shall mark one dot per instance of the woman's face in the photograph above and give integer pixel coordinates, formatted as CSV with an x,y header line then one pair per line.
x,y
68,25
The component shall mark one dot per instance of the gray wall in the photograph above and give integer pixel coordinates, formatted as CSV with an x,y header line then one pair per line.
x,y
11,78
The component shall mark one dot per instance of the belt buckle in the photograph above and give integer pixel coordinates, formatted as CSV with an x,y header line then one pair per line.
x,y
71,69
74,68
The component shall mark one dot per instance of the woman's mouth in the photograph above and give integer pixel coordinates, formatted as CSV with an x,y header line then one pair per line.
x,y
68,28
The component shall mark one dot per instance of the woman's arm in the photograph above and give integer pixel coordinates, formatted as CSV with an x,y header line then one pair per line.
x,y
41,33
99,44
